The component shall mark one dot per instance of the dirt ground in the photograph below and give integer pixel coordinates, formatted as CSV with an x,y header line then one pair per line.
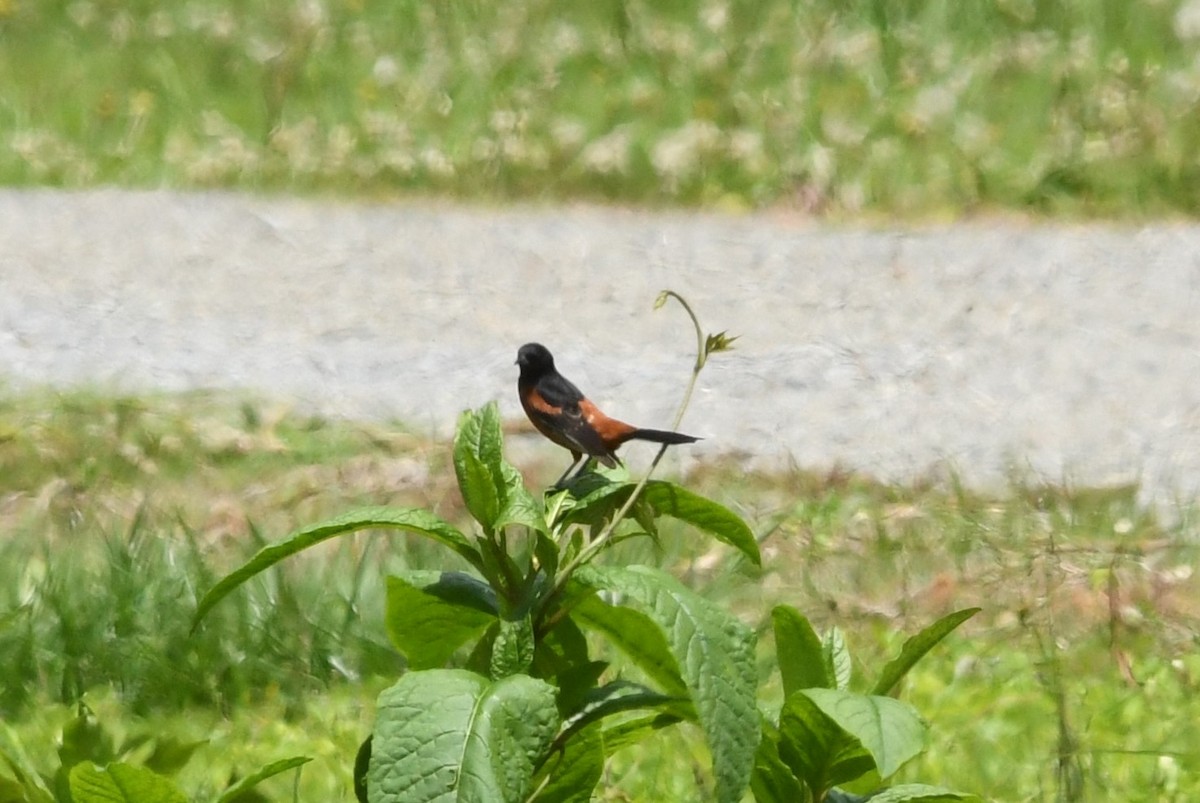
x,y
1063,352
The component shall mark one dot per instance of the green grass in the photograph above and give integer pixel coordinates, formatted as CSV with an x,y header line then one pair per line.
x,y
1077,107
115,513
1080,675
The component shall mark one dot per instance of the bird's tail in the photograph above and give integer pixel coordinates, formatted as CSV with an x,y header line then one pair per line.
x,y
660,436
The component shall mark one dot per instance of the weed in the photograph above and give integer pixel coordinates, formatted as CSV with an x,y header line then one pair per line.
x,y
1082,588
841,107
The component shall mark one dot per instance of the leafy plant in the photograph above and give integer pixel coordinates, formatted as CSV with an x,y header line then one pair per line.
x,y
506,698
532,713
1113,581
94,769
825,734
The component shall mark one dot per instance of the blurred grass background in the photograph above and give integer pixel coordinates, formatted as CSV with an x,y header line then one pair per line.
x,y
1078,681
943,107
1082,673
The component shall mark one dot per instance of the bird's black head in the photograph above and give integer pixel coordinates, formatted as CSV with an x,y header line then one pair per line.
x,y
534,359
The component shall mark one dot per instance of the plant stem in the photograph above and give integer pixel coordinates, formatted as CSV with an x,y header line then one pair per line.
x,y
601,541
701,356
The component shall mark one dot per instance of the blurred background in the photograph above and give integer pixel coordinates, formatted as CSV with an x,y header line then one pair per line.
x,y
864,108
255,258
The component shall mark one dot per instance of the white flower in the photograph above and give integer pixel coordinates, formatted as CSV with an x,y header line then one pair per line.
x,y
857,50
972,134
680,152
568,134
715,16
505,121
566,40
484,149
609,154
297,142
120,28
310,13
437,163
746,147
386,71
843,130
1032,47
82,13
261,50
932,104
339,146
1187,20
223,26
398,159
822,164
160,25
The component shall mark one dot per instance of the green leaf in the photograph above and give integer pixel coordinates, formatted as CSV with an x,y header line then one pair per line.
x,y
13,753
477,485
838,795
497,565
597,483
258,776
362,762
715,653
171,755
478,444
574,770
639,637
772,780
634,731
84,739
493,490
574,684
414,520
452,735
800,654
12,792
432,614
617,697
563,652
601,494
915,648
918,791
816,749
520,506
121,783
490,442
546,552
888,729
593,498
719,342
669,499
480,659
10,617
646,518
512,651
836,657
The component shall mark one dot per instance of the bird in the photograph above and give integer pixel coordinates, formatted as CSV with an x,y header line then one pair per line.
x,y
563,414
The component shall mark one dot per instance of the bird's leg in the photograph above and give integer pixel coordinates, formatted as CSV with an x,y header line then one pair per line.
x,y
583,465
574,462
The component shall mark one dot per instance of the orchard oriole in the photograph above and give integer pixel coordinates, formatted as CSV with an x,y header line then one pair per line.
x,y
564,415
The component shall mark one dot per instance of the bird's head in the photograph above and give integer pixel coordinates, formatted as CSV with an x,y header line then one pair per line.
x,y
534,359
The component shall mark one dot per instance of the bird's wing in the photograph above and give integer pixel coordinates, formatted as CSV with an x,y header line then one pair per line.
x,y
558,391
568,427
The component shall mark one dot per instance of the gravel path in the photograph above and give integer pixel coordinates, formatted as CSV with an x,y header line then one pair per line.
x,y
1069,352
